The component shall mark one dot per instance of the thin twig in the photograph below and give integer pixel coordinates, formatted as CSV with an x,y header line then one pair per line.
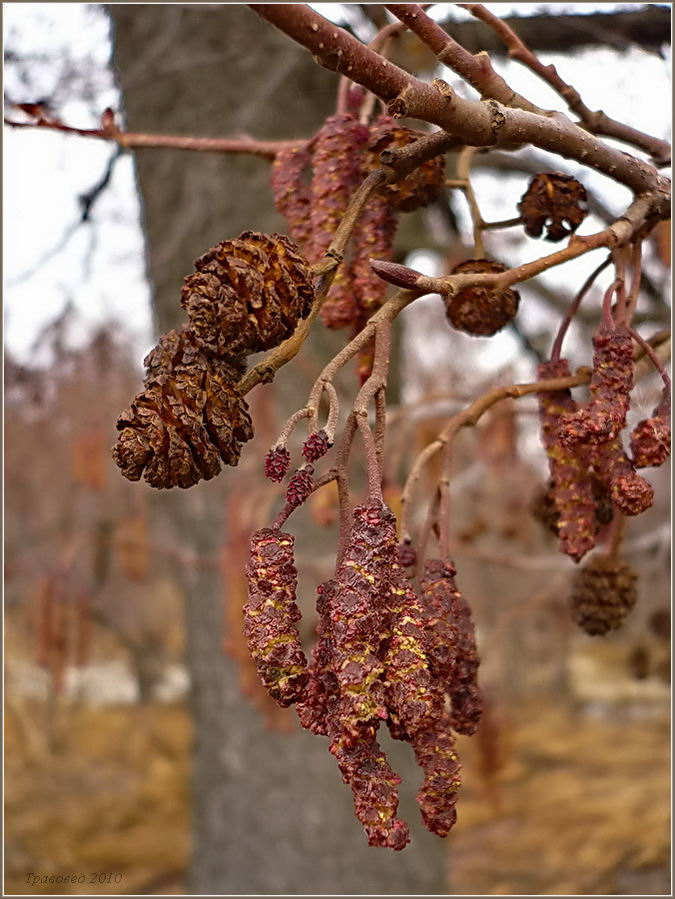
x,y
596,122
464,177
471,122
476,70
574,306
133,140
636,281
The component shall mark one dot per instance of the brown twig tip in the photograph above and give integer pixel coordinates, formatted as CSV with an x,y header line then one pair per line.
x,y
393,273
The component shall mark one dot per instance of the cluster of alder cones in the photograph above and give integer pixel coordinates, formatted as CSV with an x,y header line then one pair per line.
x,y
246,295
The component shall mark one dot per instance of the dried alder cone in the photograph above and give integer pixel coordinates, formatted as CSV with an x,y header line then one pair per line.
x,y
481,311
271,613
188,420
554,202
248,294
603,593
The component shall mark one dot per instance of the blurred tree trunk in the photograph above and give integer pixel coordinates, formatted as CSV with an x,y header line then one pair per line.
x,y
271,814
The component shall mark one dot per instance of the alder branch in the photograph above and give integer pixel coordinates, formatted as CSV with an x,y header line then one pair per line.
x,y
476,123
597,122
476,70
617,234
133,140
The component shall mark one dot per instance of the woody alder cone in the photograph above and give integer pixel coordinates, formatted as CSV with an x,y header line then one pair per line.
x,y
603,593
555,203
248,294
189,418
481,311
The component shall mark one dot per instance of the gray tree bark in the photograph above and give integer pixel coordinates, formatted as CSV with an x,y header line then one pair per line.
x,y
271,814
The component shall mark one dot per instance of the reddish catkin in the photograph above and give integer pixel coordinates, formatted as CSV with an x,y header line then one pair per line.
x,y
650,439
291,192
316,446
629,492
411,698
336,166
571,483
464,692
611,383
271,613
363,765
277,461
300,486
373,783
373,239
437,797
319,703
451,642
437,598
358,618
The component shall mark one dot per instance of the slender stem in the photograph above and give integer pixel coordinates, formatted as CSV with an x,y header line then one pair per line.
x,y
463,173
505,223
344,503
333,411
607,318
619,257
617,233
430,522
617,530
289,427
372,459
636,280
380,424
444,511
574,306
